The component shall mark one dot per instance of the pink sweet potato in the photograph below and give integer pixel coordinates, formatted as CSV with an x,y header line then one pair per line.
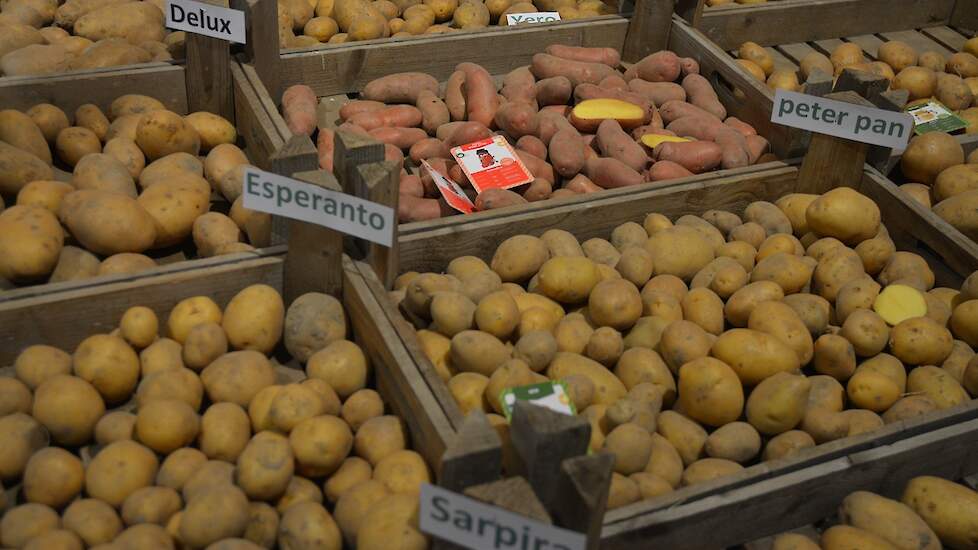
x,y
673,110
740,126
537,166
538,190
517,120
392,153
607,56
657,92
566,152
456,174
519,93
399,88
552,122
695,156
428,148
395,116
663,66
467,132
414,209
490,199
667,170
351,127
358,106
532,145
613,142
555,90
411,185
299,109
324,145
433,111
548,66
445,131
699,92
757,147
481,100
696,126
611,173
402,138
520,76
455,96
562,193
734,148
613,82
581,184
689,66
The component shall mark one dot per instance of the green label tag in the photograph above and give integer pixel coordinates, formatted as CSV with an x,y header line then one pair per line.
x,y
935,117
552,395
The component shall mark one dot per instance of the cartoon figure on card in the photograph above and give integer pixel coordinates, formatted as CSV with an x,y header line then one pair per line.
x,y
485,158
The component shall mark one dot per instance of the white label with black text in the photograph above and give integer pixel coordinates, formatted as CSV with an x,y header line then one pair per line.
x,y
206,19
535,17
295,199
473,524
846,120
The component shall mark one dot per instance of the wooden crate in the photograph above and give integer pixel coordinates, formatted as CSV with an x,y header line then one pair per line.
x,y
790,29
342,68
644,524
264,146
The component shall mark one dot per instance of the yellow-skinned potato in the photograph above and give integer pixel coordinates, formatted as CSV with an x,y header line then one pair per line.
x,y
30,243
964,322
37,363
451,313
109,364
710,392
889,366
380,437
94,521
665,462
44,193
847,537
888,519
512,373
921,341
846,55
237,377
682,342
754,355
753,52
844,214
909,269
25,522
615,303
204,343
477,352
469,391
736,441
127,153
355,504
139,326
216,513
778,403
69,408
780,321
189,313
679,250
177,383
862,421
129,229
352,472
118,470
174,206
706,469
361,407
165,425
937,384
787,444
265,466
160,133
49,119
867,332
947,507
224,431
685,435
824,425
703,307
794,541
872,390
857,294
909,407
151,505
254,318
519,258
811,309
178,467
568,279
19,130
661,304
789,271
212,129
210,474
742,302
312,322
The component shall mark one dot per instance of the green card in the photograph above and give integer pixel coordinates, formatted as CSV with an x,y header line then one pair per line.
x,y
552,395
933,116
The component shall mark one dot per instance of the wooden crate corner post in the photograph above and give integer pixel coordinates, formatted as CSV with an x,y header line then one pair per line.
x,y
314,261
874,89
648,29
262,49
208,73
833,161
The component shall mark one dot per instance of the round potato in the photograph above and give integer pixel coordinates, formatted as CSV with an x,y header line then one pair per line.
x,y
69,408
313,321
119,470
94,521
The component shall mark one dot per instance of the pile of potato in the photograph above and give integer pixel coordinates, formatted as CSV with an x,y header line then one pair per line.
x,y
303,23
942,179
578,123
953,80
200,439
932,511
698,346
41,37
140,179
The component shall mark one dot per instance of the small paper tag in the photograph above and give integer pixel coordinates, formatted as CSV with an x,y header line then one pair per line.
x,y
535,17
453,194
206,19
933,116
491,163
552,395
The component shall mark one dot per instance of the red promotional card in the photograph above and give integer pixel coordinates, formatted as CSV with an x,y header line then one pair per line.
x,y
453,194
491,164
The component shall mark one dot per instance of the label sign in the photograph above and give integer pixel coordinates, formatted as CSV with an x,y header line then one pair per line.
x,y
933,116
295,199
841,119
206,19
450,191
491,163
552,395
536,17
473,524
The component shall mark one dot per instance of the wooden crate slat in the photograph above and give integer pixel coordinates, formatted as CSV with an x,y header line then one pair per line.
x,y
348,67
63,319
965,15
781,63
828,45
946,36
810,20
69,91
870,43
796,52
918,41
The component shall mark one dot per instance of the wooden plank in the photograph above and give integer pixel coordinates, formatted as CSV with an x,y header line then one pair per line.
x,y
261,18
342,68
648,29
828,45
870,43
209,77
965,15
63,318
788,21
428,410
71,90
805,496
781,63
585,216
919,41
314,260
946,36
796,52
